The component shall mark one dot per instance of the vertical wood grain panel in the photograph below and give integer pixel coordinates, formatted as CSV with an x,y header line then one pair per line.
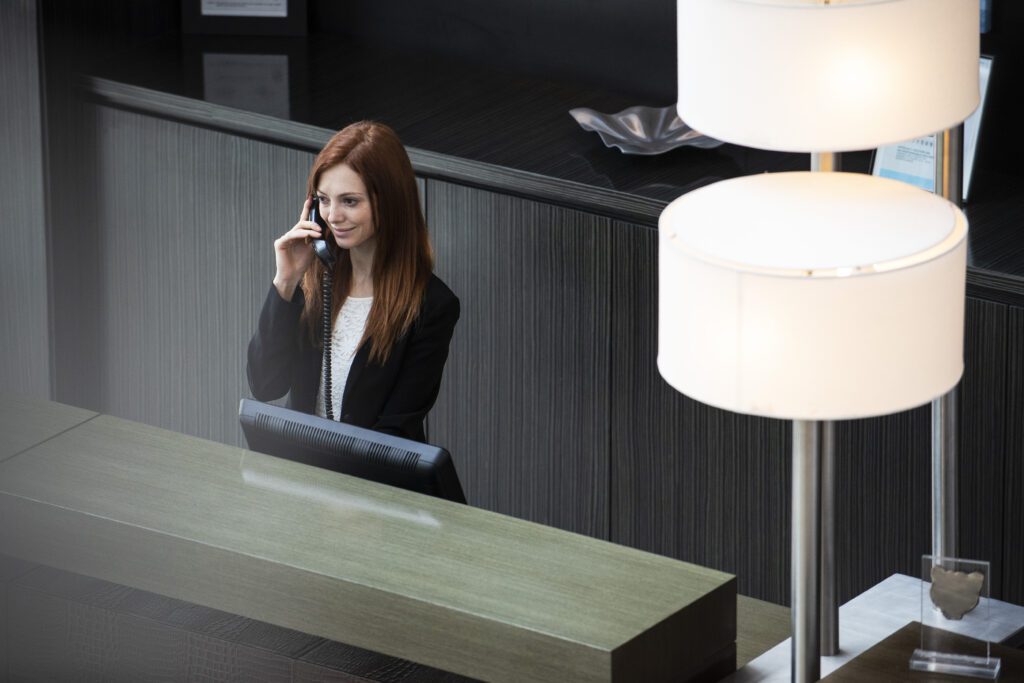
x,y
524,403
984,417
24,337
182,222
1013,484
883,493
75,235
688,481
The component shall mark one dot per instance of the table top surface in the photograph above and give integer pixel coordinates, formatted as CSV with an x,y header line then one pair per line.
x,y
359,532
27,422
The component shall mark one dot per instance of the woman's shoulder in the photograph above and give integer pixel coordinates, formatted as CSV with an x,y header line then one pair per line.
x,y
438,291
439,299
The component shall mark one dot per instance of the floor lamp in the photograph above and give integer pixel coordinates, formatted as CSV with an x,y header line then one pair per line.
x,y
816,76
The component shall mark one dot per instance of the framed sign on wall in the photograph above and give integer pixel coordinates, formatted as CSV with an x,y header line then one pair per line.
x,y
914,161
244,17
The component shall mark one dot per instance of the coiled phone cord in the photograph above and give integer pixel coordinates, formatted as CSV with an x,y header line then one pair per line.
x,y
325,317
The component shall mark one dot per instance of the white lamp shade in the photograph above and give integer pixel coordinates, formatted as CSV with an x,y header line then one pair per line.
x,y
806,76
811,296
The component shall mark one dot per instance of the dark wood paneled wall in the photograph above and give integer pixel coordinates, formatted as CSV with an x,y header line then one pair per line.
x,y
525,402
882,498
74,227
984,450
25,360
688,481
1012,490
168,254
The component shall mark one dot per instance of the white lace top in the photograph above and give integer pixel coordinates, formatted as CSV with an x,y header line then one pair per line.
x,y
348,330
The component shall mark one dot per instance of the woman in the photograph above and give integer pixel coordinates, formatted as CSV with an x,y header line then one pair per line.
x,y
391,317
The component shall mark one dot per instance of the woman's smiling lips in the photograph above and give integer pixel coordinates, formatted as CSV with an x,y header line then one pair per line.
x,y
341,232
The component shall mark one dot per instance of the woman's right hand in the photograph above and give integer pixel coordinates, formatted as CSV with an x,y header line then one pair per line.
x,y
293,254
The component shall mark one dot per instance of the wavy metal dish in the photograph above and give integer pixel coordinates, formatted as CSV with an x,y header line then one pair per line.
x,y
642,130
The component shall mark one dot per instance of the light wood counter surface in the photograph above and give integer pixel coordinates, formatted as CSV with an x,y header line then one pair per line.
x,y
447,585
760,626
27,422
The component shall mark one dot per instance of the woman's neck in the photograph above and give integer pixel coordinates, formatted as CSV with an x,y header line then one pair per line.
x,y
362,272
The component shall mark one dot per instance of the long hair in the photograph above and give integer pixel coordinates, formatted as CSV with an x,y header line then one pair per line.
x,y
402,258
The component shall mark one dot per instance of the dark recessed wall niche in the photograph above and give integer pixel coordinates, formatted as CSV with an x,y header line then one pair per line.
x,y
1001,144
97,27
626,46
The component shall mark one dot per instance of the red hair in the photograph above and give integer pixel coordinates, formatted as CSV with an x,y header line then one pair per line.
x,y
402,258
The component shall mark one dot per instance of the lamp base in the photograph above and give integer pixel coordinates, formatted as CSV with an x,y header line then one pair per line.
x,y
956,665
873,616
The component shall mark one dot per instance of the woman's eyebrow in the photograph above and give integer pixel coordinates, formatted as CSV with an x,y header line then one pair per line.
x,y
343,194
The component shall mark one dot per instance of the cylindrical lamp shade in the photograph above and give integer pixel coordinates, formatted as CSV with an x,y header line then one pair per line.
x,y
817,76
811,296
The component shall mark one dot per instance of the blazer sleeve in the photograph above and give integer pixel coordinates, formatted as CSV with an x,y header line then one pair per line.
x,y
419,378
274,347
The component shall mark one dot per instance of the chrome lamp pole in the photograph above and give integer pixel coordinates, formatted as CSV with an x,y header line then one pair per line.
x,y
949,166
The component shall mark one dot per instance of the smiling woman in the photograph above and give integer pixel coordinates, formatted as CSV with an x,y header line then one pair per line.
x,y
348,214
391,318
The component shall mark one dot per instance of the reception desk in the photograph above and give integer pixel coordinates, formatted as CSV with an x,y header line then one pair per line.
x,y
551,402
442,584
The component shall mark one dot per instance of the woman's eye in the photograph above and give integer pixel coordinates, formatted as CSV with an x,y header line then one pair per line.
x,y
351,202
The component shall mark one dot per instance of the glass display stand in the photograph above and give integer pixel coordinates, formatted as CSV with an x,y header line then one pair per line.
x,y
955,599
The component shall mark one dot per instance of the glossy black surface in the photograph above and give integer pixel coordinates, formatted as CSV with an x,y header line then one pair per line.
x,y
454,108
482,115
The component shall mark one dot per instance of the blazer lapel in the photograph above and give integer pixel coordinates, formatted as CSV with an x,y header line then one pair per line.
x,y
358,363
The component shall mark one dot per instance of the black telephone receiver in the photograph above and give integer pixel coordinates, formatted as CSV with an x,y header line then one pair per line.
x,y
325,251
324,248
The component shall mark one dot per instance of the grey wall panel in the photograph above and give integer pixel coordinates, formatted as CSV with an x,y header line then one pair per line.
x,y
183,221
24,335
882,497
984,417
524,404
76,242
1013,484
689,481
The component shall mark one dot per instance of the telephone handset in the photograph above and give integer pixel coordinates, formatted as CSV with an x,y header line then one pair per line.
x,y
325,247
325,250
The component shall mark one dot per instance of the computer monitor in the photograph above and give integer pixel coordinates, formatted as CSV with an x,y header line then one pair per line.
x,y
348,449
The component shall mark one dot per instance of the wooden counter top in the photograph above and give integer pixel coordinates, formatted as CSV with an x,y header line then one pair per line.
x,y
447,585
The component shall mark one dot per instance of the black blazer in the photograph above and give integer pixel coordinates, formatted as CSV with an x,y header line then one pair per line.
x,y
393,398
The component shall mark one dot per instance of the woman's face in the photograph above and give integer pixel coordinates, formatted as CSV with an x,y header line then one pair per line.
x,y
345,206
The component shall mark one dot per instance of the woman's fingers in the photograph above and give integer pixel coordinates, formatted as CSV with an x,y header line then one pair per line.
x,y
305,209
297,233
303,229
